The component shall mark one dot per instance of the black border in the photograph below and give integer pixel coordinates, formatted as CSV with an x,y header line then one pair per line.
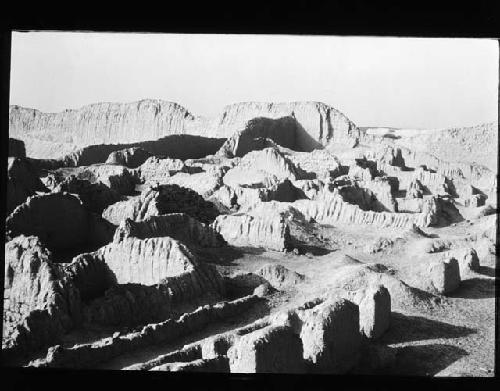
x,y
479,18
55,379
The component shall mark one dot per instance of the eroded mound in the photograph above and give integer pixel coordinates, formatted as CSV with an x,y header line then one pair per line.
x,y
298,243
22,182
60,221
95,197
161,200
130,157
40,304
179,226
279,276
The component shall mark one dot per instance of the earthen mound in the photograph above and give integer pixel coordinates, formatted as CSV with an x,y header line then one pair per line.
x,y
22,182
129,157
203,183
128,305
279,276
60,221
160,200
117,178
160,261
379,244
95,197
317,123
244,230
320,163
90,275
158,170
354,280
261,169
260,133
416,232
331,208
101,124
179,226
40,304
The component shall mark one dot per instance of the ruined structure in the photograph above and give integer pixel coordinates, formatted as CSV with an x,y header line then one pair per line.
x,y
273,238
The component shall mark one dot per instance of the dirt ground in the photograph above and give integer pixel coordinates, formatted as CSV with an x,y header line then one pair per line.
x,y
431,335
451,336
456,337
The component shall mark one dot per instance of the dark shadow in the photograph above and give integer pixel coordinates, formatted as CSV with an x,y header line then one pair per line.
x,y
194,204
242,285
304,248
400,194
304,238
368,164
362,197
66,255
487,211
391,136
259,131
16,148
314,250
407,169
100,232
406,328
475,288
176,146
285,191
393,183
180,146
93,278
449,214
425,190
330,130
194,170
252,250
424,360
487,271
303,140
343,170
285,131
451,187
223,256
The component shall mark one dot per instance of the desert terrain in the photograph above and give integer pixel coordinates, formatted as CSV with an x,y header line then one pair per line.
x,y
273,238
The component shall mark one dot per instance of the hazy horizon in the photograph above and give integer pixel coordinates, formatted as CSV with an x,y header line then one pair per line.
x,y
421,83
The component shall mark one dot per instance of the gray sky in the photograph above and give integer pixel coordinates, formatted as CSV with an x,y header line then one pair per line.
x,y
400,82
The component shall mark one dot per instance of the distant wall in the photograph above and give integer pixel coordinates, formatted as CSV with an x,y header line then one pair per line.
x,y
51,135
321,122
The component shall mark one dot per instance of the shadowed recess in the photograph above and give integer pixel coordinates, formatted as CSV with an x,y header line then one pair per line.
x,y
406,328
425,360
475,288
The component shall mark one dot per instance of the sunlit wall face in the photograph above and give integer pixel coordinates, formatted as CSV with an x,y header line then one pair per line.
x,y
398,82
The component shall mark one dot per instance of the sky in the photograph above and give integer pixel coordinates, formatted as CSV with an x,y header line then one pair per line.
x,y
399,82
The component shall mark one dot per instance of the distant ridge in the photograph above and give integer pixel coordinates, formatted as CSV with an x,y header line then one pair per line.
x,y
51,135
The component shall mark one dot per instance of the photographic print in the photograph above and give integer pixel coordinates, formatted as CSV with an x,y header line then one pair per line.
x,y
251,204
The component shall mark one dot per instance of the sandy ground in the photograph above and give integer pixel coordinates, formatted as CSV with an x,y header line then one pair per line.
x,y
451,336
454,338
